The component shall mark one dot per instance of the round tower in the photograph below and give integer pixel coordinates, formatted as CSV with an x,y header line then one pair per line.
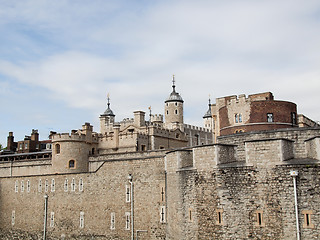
x,y
174,109
70,152
107,118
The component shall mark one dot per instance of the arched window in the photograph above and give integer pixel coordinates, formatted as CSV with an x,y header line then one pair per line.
x,y
57,148
176,111
72,164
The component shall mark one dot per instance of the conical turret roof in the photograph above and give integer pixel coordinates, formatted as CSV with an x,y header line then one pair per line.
x,y
108,111
174,96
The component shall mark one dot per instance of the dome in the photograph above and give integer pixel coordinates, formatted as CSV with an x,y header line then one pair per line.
x,y
108,111
174,96
208,114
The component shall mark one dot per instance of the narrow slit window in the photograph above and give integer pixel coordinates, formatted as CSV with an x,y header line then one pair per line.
x,y
13,217
113,221
81,219
219,217
57,148
259,219
53,185
73,185
46,186
307,223
52,219
127,215
128,197
162,214
22,186
16,186
66,185
28,186
190,218
236,118
40,186
80,185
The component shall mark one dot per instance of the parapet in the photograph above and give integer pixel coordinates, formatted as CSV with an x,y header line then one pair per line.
x,y
156,118
313,147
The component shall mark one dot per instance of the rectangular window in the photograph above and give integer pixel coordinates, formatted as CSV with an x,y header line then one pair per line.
x,y
46,186
28,186
40,186
240,117
113,221
22,186
128,193
66,185
52,219
162,214
307,219
26,146
20,146
73,185
127,221
16,186
53,185
219,217
293,118
259,219
236,118
162,193
80,185
81,219
190,213
269,117
13,217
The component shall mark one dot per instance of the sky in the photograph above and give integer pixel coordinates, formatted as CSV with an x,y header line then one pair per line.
x,y
59,59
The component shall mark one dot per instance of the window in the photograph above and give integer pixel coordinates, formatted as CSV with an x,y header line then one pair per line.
x,y
259,219
269,117
219,217
293,118
28,186
26,146
176,111
162,214
190,214
71,164
57,148
162,193
20,146
81,219
22,186
236,118
167,112
113,221
307,219
128,194
143,147
127,215
40,186
80,185
52,219
66,185
240,117
176,104
13,217
46,186
37,146
16,186
53,187
73,185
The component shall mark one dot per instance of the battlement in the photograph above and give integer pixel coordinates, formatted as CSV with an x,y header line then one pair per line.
x,y
228,100
156,118
192,127
74,136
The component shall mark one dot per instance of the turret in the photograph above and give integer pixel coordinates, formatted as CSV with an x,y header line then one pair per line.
x,y
174,109
207,118
107,119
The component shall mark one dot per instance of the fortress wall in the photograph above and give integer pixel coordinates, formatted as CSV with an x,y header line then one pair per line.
x,y
25,168
313,147
104,192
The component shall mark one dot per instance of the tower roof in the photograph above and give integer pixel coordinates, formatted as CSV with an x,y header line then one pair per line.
x,y
208,114
174,96
108,111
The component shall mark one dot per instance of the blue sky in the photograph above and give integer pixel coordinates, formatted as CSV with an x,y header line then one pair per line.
x,y
59,59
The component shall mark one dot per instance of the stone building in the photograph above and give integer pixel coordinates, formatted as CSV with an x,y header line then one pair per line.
x,y
256,112
154,179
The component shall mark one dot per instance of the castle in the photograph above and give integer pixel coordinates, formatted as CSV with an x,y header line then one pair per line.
x,y
250,173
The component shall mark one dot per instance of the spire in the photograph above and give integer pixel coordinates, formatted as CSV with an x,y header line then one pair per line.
x,y
208,113
174,96
173,84
108,111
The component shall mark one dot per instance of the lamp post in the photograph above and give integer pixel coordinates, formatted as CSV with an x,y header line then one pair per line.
x,y
132,218
294,174
45,216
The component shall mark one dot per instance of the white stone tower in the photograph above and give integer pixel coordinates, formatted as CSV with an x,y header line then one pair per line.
x,y
107,119
174,109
